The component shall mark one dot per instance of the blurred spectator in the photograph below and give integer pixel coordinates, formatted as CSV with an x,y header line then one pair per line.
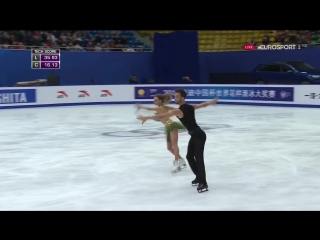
x,y
44,36
111,44
55,45
36,34
307,35
266,40
68,37
129,49
43,45
21,46
253,41
36,40
117,42
12,40
77,36
19,35
114,32
29,39
63,37
87,35
97,39
293,37
63,47
117,39
70,47
104,47
77,46
133,80
150,81
90,47
186,80
51,37
304,40
278,37
5,39
98,48
124,41
124,48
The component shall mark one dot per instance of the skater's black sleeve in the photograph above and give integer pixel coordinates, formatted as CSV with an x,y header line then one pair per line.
x,y
205,104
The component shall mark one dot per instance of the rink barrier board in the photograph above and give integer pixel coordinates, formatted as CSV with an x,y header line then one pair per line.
x,y
256,95
151,103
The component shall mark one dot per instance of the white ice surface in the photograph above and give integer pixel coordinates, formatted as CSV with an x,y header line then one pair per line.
x,y
57,159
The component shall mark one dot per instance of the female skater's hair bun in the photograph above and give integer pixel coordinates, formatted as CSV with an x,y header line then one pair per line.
x,y
166,98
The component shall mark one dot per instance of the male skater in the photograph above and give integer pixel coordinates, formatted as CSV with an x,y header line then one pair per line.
x,y
186,114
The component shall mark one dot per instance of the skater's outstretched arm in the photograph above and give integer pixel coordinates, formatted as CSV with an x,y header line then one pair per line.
x,y
138,106
175,112
205,104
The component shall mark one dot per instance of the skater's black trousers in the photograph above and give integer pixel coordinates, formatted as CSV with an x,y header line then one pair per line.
x,y
195,154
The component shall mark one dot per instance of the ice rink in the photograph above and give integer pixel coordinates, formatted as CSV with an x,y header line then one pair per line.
x,y
102,158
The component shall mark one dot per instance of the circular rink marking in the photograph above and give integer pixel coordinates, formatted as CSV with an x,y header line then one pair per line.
x,y
157,131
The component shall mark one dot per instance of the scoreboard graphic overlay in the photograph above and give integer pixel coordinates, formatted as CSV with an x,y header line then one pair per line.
x,y
45,59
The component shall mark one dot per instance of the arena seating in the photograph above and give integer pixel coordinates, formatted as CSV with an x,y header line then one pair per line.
x,y
227,40
224,40
132,41
16,39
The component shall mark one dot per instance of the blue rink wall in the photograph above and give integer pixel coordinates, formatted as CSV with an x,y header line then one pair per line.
x,y
268,95
78,68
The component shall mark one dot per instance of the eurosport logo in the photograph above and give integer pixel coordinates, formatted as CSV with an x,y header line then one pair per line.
x,y
280,47
83,93
105,93
62,94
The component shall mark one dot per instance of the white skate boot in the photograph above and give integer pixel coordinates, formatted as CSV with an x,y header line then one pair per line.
x,y
182,163
176,167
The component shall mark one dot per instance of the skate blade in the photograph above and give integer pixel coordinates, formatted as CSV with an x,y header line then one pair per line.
x,y
203,190
196,184
176,171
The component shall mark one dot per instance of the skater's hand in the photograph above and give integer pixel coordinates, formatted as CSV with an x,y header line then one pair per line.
x,y
142,118
138,106
214,101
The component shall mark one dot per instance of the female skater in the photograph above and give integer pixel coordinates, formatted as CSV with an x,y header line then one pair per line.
x,y
171,128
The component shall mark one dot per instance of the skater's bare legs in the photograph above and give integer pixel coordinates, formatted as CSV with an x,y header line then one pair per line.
x,y
169,147
174,144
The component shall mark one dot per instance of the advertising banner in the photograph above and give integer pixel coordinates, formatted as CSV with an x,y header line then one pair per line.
x,y
239,93
309,95
85,94
17,96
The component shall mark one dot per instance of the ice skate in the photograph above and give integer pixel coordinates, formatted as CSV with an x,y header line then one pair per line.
x,y
176,167
203,187
182,163
195,182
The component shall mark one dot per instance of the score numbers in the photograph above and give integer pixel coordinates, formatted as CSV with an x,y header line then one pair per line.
x,y
49,57
45,59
